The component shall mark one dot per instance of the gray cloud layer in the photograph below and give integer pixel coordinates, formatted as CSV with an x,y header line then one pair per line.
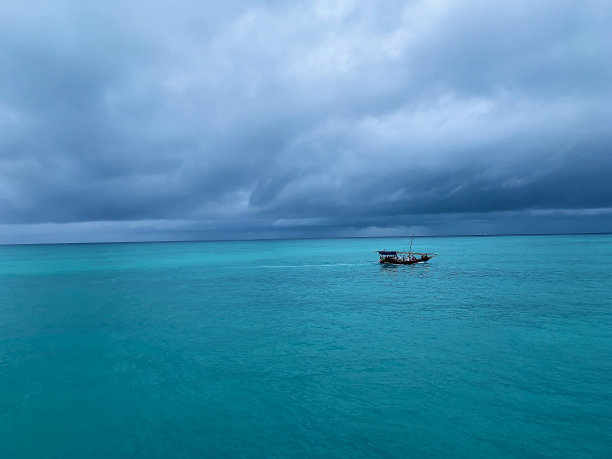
x,y
303,118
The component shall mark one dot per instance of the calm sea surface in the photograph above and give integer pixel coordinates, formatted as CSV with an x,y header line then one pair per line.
x,y
499,347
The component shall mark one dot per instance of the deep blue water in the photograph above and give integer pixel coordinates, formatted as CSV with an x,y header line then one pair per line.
x,y
499,347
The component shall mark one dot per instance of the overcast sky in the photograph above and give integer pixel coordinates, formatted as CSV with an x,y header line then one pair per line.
x,y
148,120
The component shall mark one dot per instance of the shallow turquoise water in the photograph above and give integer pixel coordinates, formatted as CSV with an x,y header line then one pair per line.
x,y
499,347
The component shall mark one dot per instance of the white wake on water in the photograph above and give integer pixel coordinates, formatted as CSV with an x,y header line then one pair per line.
x,y
324,265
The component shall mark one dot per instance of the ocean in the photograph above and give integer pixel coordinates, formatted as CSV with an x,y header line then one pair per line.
x,y
498,347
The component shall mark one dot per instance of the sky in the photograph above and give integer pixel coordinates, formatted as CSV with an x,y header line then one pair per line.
x,y
159,120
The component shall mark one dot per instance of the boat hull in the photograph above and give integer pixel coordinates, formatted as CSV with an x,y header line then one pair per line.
x,y
395,261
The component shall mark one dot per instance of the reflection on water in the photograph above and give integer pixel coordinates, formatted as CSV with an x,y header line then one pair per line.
x,y
415,269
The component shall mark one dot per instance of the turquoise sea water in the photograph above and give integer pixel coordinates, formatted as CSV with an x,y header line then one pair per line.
x,y
499,347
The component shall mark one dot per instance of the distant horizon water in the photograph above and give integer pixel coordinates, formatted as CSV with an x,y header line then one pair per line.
x,y
498,347
161,241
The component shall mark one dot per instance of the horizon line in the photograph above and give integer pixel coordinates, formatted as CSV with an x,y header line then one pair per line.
x,y
307,238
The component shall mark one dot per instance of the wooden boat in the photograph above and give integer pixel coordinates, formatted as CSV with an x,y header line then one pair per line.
x,y
394,257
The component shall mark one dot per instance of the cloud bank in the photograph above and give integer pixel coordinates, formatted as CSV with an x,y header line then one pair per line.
x,y
146,120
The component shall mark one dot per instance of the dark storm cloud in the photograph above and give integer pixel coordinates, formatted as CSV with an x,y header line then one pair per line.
x,y
304,118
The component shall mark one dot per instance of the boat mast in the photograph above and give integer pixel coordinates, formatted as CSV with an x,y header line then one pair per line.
x,y
410,251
